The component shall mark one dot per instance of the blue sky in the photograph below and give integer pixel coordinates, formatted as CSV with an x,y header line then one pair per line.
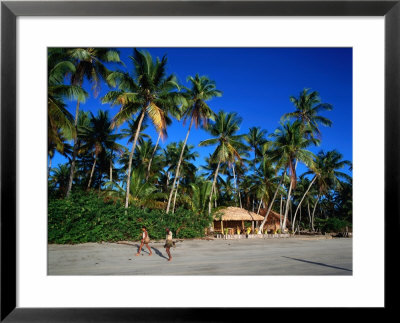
x,y
256,83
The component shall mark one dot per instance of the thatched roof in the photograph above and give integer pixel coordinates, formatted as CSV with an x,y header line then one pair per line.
x,y
236,214
273,217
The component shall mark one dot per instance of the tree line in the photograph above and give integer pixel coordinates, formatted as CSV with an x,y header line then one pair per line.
x,y
250,170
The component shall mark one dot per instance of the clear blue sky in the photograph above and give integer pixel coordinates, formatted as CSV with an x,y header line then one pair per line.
x,y
256,83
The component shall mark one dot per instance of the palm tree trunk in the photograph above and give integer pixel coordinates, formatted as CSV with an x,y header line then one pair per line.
x,y
178,167
280,213
128,179
168,175
152,156
74,150
270,205
213,187
236,188
91,173
259,207
313,213
298,206
111,168
176,192
309,214
287,207
287,202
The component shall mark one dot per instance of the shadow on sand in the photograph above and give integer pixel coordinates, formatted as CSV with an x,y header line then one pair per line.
x,y
317,263
158,253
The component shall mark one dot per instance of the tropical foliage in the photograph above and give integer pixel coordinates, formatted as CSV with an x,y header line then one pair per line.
x,y
105,190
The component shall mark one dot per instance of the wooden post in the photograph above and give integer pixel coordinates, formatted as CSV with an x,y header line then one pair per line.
x,y
222,227
252,226
243,224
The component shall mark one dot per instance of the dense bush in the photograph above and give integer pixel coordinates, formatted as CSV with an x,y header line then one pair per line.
x,y
331,224
86,217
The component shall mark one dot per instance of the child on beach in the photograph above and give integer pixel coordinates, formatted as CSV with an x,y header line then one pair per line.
x,y
145,240
168,243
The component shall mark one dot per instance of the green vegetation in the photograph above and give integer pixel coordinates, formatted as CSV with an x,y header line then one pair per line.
x,y
88,217
106,191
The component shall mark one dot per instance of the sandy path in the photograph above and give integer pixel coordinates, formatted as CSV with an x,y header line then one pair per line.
x,y
293,256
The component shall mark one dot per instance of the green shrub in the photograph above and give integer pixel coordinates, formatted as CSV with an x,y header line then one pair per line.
x,y
331,224
86,217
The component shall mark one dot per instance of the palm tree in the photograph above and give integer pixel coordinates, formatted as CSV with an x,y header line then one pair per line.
x,y
98,137
224,128
89,64
201,190
175,112
59,178
145,92
264,181
326,173
61,146
308,106
256,140
132,129
209,172
196,108
186,166
289,148
59,118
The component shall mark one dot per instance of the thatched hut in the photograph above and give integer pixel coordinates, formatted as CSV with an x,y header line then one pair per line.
x,y
273,221
234,217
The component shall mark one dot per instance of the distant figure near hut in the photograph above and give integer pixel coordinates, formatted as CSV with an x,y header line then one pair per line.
x,y
233,217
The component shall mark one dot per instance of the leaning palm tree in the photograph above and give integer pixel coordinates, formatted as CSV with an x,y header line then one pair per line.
x,y
143,93
308,106
224,128
289,148
89,65
197,110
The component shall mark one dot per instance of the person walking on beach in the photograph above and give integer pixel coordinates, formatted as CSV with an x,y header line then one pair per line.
x,y
168,243
145,240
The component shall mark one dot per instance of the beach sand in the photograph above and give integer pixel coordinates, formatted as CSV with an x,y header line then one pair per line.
x,y
285,256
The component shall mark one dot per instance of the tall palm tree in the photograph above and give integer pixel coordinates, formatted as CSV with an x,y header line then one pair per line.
x,y
197,110
224,128
307,108
289,148
145,93
99,138
89,65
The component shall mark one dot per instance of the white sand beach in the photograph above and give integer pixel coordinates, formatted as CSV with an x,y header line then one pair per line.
x,y
290,256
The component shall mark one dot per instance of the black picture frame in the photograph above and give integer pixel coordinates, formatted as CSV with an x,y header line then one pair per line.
x,y
10,10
